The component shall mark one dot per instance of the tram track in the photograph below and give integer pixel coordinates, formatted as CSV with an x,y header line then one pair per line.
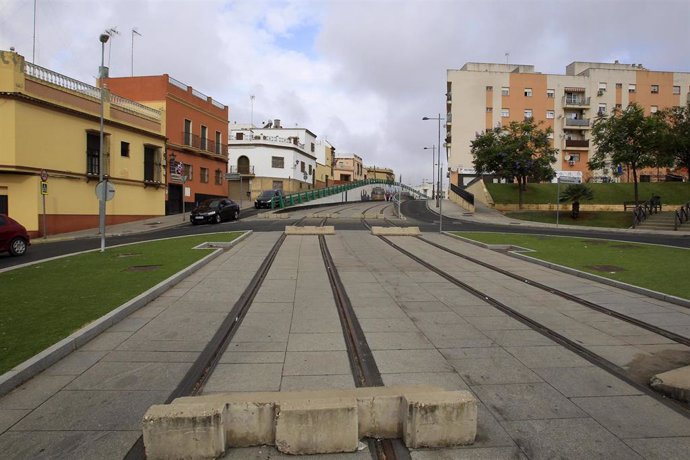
x,y
548,332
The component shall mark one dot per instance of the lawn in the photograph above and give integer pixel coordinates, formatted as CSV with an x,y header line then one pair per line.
x,y
671,193
46,302
610,219
632,263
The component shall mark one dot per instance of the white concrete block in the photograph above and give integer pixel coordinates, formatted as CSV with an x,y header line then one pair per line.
x,y
439,419
249,423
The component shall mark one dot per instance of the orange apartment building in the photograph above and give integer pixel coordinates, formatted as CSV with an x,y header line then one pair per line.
x,y
196,126
481,96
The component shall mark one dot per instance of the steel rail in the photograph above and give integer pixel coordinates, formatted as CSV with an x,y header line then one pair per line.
x,y
573,298
364,369
571,345
202,368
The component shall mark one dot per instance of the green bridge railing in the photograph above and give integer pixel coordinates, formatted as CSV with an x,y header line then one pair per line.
x,y
310,195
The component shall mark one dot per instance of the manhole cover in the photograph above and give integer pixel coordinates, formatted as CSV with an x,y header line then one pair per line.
x,y
128,254
607,268
142,268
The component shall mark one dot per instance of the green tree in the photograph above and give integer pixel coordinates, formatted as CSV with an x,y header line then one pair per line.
x,y
675,141
627,137
575,193
520,151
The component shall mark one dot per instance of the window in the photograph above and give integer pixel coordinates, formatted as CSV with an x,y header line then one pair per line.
x,y
93,142
602,86
602,109
277,185
124,149
219,143
187,134
505,91
489,88
619,85
277,162
219,177
528,113
204,137
310,170
551,93
301,166
312,147
528,92
550,114
489,109
188,170
152,164
505,113
203,175
654,109
572,158
632,88
676,90
655,89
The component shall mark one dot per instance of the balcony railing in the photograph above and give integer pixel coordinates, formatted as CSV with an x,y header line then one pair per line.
x,y
202,143
135,107
241,169
576,143
579,122
263,138
576,101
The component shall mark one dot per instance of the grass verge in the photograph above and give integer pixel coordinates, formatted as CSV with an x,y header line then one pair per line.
x,y
659,268
609,219
43,303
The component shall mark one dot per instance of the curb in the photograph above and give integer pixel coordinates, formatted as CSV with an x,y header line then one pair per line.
x,y
38,363
57,239
571,271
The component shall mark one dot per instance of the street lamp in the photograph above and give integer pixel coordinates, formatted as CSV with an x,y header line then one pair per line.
x,y
439,188
102,73
433,168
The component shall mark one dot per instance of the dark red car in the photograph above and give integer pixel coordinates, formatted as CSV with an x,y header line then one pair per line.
x,y
13,236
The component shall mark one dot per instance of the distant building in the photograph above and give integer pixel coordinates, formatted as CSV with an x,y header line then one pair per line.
x,y
482,96
325,156
378,172
196,126
348,168
269,158
50,124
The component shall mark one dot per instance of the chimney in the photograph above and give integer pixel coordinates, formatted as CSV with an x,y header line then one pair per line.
x,y
276,123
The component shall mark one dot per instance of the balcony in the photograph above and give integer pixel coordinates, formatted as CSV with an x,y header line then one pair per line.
x,y
204,144
245,170
571,100
577,143
577,123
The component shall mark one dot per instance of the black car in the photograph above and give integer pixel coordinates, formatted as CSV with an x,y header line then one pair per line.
x,y
215,211
264,200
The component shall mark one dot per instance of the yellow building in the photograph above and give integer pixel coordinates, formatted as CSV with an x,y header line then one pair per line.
x,y
50,124
377,172
348,168
324,164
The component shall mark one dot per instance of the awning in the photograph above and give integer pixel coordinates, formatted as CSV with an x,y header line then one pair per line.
x,y
574,90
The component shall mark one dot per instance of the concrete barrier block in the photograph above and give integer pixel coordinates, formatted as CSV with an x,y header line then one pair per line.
x,y
310,230
439,419
317,426
674,383
380,416
189,431
249,423
396,231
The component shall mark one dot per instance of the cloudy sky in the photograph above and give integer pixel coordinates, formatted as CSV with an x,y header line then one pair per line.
x,y
360,73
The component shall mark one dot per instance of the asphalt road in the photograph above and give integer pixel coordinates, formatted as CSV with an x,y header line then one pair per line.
x,y
415,211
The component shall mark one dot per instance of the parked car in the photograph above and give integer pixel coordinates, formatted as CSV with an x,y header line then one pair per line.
x,y
215,211
264,200
378,194
13,236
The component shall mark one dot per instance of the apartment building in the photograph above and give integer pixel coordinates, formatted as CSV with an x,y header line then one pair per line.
x,y
378,172
196,127
348,168
50,151
325,153
481,96
268,158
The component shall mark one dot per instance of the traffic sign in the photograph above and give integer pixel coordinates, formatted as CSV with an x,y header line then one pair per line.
x,y
569,180
105,190
44,175
44,188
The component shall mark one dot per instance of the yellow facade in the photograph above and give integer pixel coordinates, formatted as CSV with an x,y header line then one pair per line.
x,y
45,120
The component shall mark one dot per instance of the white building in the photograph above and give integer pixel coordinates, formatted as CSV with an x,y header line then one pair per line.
x,y
269,158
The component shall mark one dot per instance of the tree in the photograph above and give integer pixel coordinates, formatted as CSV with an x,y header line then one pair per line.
x,y
574,193
676,137
520,151
627,137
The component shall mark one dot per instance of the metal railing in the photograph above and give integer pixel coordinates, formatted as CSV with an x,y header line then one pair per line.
x,y
263,138
464,194
579,101
177,83
576,143
202,143
199,94
646,209
241,169
577,121
681,215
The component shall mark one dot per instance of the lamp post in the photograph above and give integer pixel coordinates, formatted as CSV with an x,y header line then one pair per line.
x,y
433,168
102,73
439,188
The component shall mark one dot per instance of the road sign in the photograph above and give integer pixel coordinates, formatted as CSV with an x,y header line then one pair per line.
x,y
105,190
568,180
44,188
233,176
44,175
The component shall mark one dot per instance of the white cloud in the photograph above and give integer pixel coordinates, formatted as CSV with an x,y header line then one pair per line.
x,y
361,73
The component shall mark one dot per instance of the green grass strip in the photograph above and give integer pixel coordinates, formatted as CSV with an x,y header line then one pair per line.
x,y
43,303
659,268
608,219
